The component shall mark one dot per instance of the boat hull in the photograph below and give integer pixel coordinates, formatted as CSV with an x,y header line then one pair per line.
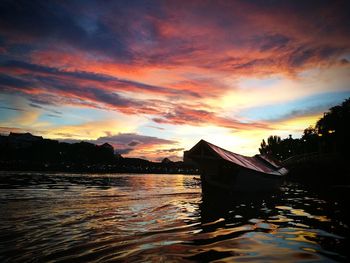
x,y
243,182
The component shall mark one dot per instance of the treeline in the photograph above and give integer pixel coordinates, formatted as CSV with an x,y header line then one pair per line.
x,y
27,147
24,151
331,134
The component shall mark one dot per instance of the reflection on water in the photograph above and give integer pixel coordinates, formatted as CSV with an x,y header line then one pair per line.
x,y
114,217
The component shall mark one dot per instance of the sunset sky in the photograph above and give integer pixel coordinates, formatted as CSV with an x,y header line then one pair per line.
x,y
154,77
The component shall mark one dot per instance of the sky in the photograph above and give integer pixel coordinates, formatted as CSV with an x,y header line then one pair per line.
x,y
152,78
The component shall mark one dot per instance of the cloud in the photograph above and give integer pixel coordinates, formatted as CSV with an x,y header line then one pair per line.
x,y
9,81
127,138
43,89
58,92
79,84
269,42
11,108
66,135
196,117
129,143
52,22
56,113
124,151
169,34
171,150
53,116
176,64
133,143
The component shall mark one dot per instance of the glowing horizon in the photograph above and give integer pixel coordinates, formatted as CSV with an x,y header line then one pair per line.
x,y
154,77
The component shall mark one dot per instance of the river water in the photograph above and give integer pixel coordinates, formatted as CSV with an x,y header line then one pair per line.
x,y
161,218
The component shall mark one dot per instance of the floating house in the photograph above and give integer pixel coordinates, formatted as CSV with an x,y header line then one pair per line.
x,y
222,170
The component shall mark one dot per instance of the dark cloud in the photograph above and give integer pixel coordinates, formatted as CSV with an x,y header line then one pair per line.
x,y
46,109
34,68
50,22
156,127
112,99
54,113
67,91
127,138
7,81
124,150
344,61
304,54
133,143
133,31
53,116
48,100
253,63
300,56
35,106
171,150
11,108
125,143
293,6
268,42
38,18
52,75
325,53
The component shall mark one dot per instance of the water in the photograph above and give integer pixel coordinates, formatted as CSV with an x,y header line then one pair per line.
x,y
161,218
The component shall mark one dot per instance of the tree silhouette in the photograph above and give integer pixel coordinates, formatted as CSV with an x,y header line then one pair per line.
x,y
334,128
310,140
330,134
272,147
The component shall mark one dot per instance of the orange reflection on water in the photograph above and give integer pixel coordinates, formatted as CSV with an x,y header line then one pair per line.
x,y
302,236
302,212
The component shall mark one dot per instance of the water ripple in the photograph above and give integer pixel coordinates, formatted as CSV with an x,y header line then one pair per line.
x,y
138,218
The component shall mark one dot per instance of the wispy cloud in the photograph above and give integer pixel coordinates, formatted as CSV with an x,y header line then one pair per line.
x,y
11,108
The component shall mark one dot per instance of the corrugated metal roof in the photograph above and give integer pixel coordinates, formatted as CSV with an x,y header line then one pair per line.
x,y
253,163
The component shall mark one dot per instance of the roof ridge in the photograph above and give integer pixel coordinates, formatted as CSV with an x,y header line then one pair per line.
x,y
226,150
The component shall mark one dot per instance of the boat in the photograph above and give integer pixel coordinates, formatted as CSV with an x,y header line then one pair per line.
x,y
224,171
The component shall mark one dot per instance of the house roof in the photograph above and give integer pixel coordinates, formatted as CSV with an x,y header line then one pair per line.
x,y
257,163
